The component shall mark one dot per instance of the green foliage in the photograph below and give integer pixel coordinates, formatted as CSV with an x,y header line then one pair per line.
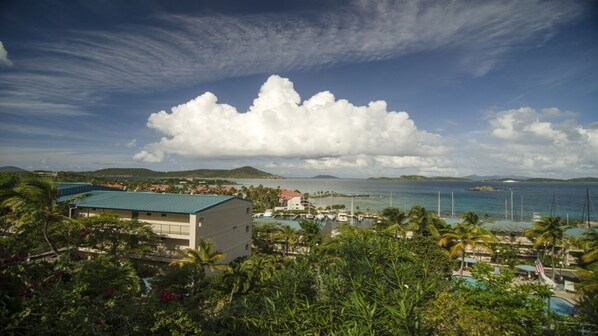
x,y
490,306
113,235
311,232
263,198
34,211
356,283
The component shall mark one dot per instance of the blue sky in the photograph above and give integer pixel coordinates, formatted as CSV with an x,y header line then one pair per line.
x,y
301,88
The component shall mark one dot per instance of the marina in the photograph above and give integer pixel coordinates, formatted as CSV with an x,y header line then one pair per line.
x,y
514,202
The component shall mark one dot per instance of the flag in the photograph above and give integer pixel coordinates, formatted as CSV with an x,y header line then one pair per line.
x,y
539,267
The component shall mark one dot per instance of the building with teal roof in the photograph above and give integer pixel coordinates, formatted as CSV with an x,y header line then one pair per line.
x,y
66,189
180,219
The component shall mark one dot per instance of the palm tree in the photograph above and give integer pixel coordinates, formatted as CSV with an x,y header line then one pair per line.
x,y
289,235
395,219
471,218
33,201
259,268
589,242
549,230
204,256
589,277
423,222
464,235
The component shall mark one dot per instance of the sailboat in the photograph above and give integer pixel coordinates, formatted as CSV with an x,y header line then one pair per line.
x,y
342,217
585,218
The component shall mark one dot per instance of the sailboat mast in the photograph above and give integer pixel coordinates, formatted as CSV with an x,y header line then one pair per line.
x,y
351,209
586,209
511,205
521,215
438,213
452,204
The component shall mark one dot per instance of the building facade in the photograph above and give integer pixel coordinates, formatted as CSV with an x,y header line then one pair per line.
x,y
180,219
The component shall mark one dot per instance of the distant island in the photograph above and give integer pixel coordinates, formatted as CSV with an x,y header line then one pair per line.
x,y
324,177
483,188
418,178
545,180
243,172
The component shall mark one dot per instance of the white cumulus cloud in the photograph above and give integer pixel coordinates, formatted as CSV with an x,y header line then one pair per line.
x,y
322,130
4,61
539,141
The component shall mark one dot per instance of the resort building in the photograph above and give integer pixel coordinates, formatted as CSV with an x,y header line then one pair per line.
x,y
180,219
292,200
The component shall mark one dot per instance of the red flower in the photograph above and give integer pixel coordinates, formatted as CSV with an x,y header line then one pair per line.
x,y
99,322
166,296
84,233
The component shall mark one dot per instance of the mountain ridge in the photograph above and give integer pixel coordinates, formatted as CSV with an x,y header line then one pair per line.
x,y
241,172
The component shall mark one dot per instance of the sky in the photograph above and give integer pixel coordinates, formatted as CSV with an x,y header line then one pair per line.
x,y
302,88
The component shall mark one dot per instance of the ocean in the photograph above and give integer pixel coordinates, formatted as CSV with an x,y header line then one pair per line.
x,y
567,200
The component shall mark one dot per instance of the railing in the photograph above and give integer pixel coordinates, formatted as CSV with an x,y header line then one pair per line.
x,y
171,229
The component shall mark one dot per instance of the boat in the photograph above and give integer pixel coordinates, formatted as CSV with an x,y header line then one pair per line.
x,y
536,217
309,216
320,217
330,216
342,217
268,213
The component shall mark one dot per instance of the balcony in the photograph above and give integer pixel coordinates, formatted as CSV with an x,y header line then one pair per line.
x,y
171,229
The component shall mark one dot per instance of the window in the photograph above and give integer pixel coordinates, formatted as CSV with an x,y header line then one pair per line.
x,y
246,228
247,210
246,247
93,209
148,213
163,215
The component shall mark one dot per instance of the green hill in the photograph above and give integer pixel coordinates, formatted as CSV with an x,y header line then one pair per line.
x,y
12,169
243,172
584,179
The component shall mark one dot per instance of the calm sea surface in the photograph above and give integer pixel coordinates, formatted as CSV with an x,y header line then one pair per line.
x,y
562,199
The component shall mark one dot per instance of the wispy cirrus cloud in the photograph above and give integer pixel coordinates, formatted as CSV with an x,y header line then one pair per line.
x,y
166,50
14,128
4,61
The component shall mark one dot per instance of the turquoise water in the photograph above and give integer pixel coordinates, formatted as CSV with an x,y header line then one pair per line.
x,y
528,198
561,306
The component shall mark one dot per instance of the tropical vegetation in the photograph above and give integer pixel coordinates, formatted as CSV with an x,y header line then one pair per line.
x,y
298,280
